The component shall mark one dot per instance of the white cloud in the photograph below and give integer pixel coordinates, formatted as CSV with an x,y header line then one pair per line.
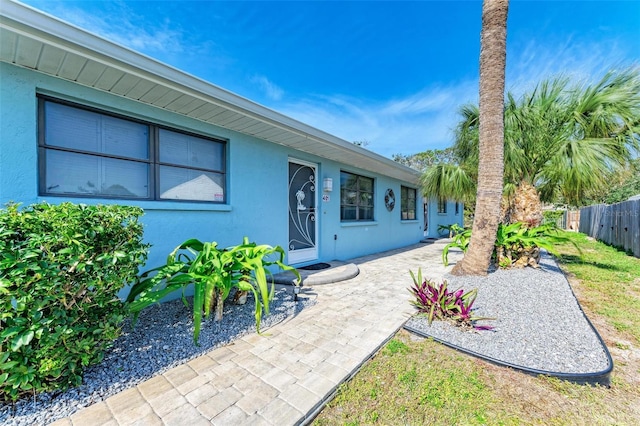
x,y
406,125
123,26
270,89
426,119
164,40
430,100
571,58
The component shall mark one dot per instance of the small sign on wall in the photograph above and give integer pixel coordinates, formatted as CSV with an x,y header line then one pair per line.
x,y
326,198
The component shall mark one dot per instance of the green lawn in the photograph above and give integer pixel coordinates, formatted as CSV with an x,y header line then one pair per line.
x,y
416,381
610,283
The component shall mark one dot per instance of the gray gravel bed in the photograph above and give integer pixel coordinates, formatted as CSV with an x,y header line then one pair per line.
x,y
161,339
538,322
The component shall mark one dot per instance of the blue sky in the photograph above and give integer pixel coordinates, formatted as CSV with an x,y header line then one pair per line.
x,y
391,73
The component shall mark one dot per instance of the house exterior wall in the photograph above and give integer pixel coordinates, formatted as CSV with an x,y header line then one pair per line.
x,y
257,180
435,219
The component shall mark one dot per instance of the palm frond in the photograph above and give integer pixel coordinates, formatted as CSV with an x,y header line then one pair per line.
x,y
565,139
447,181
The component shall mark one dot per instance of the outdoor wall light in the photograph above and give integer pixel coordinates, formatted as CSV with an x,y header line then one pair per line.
x,y
327,184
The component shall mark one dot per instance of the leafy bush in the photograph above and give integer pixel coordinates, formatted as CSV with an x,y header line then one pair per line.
x,y
450,230
552,217
461,239
519,246
61,268
213,273
437,302
516,244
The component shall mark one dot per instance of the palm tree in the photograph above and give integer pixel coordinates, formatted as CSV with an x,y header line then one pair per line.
x,y
449,182
493,52
561,143
602,133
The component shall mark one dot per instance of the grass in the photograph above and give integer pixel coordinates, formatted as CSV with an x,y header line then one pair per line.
x,y
414,381
410,386
610,283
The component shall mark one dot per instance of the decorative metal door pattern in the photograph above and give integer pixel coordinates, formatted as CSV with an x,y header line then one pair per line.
x,y
302,212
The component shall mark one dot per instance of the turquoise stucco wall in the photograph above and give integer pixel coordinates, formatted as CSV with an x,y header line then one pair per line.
x,y
342,240
257,180
449,218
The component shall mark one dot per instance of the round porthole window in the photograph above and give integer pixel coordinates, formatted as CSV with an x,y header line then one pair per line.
x,y
389,199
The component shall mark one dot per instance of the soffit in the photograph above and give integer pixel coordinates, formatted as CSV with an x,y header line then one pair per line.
x,y
34,40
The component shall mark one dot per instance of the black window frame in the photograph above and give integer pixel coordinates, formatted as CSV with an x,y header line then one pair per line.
x,y
359,193
153,161
405,203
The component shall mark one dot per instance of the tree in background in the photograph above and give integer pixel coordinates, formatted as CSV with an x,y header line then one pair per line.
x,y
493,54
564,144
422,161
623,184
443,176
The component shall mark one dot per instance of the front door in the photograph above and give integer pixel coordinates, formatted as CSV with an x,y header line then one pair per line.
x,y
302,212
426,218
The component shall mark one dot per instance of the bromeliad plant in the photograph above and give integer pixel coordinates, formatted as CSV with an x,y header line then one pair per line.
x,y
437,302
451,230
214,273
518,245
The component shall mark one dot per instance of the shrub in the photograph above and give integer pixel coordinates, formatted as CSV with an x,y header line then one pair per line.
x,y
213,273
516,244
552,217
61,268
519,246
450,230
461,239
437,302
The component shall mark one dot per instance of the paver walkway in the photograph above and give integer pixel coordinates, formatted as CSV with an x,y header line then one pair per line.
x,y
285,376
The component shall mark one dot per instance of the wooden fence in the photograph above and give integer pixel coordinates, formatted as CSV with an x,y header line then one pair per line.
x,y
570,220
616,224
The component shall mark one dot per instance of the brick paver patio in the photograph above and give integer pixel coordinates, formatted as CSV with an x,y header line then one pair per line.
x,y
285,376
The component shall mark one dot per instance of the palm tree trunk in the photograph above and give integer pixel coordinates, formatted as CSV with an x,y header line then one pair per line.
x,y
523,206
493,52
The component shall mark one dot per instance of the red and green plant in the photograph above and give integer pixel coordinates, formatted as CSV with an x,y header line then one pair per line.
x,y
436,301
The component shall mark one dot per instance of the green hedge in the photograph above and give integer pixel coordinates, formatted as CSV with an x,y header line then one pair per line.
x,y
61,268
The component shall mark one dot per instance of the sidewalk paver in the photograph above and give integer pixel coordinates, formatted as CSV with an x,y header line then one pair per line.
x,y
284,376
